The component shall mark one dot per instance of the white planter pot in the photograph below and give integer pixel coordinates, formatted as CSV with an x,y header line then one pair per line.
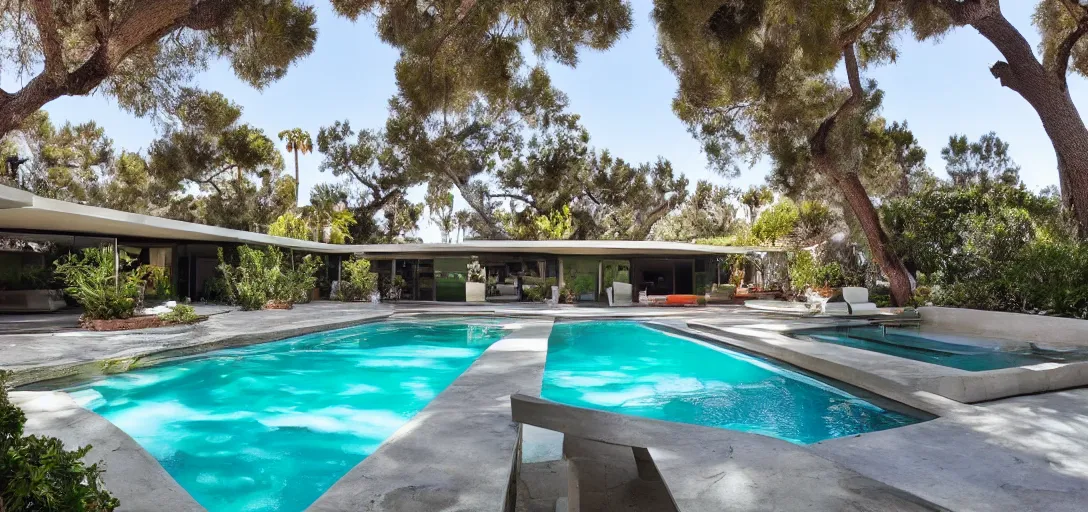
x,y
475,292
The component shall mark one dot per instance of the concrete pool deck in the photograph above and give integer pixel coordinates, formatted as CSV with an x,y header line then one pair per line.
x,y
35,357
1024,453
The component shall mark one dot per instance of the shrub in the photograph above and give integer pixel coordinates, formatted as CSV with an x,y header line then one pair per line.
x,y
217,289
358,282
158,278
583,284
805,271
37,473
89,278
537,289
181,314
300,280
262,276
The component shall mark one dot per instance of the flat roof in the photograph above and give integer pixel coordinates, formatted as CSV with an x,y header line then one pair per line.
x,y
22,210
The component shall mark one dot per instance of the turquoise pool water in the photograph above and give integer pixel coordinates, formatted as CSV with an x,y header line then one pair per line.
x,y
629,368
911,344
270,427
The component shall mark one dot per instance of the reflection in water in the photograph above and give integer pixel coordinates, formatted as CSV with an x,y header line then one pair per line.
x,y
272,426
628,368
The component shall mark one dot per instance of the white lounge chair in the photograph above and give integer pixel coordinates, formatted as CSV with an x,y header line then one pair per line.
x,y
857,300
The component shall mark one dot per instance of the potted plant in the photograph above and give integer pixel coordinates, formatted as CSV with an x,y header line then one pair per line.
x,y
476,284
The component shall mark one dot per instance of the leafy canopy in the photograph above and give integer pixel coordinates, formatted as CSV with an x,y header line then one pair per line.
x,y
143,54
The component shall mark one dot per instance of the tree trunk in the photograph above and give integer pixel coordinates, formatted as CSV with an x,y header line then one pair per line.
x,y
296,177
1048,94
890,263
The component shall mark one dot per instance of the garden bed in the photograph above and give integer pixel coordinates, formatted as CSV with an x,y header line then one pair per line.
x,y
136,322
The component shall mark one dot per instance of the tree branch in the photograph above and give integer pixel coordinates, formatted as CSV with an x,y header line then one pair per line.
x,y
518,197
1003,72
459,16
145,23
46,20
818,141
966,12
1065,50
852,34
102,21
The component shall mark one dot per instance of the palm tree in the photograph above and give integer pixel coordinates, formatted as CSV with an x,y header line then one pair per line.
x,y
298,140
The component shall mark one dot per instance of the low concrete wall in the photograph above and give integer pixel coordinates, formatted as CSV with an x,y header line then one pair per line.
x,y
459,451
132,475
1045,331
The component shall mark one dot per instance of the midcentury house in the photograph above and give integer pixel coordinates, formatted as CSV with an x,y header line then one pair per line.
x,y
429,271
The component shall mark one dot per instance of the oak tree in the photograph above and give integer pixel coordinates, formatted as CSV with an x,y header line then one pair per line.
x,y
141,53
757,78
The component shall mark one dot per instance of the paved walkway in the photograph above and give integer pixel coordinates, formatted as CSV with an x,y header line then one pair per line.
x,y
1028,453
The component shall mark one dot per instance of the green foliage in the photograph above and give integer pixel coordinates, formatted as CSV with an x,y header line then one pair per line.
x,y
537,289
708,213
143,65
754,199
583,284
358,282
980,163
217,289
25,277
235,167
181,314
991,246
158,278
806,272
954,231
453,50
38,474
262,276
439,202
776,223
290,225
89,278
476,272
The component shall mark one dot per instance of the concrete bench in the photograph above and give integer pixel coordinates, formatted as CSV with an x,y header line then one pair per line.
x,y
707,469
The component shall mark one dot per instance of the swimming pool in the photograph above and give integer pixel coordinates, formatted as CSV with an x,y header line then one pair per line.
x,y
913,344
629,368
270,427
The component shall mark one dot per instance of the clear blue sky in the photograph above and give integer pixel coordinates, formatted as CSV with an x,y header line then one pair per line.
x,y
623,96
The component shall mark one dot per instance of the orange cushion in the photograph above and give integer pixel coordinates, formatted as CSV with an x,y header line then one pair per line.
x,y
681,299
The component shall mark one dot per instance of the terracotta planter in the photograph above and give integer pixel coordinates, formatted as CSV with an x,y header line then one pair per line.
x,y
125,324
